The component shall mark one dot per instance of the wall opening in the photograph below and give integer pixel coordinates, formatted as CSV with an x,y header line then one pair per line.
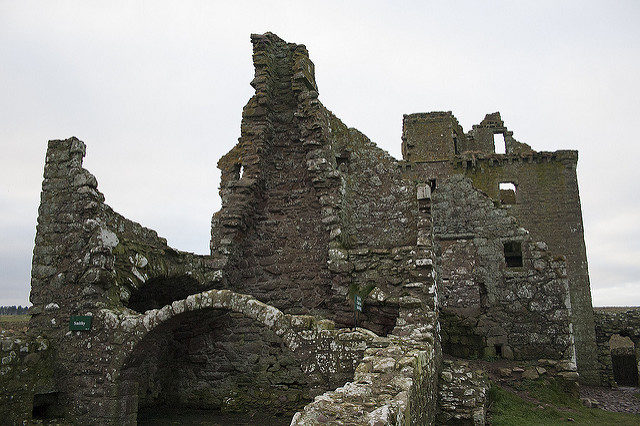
x,y
507,193
342,161
161,291
498,349
513,254
46,406
432,184
623,361
220,365
499,144
455,145
241,171
460,336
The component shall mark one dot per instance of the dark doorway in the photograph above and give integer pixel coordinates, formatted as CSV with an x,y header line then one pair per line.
x,y
625,369
46,406
623,360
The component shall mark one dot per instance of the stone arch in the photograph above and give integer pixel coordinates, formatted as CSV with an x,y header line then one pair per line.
x,y
137,326
325,357
195,350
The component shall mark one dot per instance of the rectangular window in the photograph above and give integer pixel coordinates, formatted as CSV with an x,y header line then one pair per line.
x,y
499,144
513,254
507,193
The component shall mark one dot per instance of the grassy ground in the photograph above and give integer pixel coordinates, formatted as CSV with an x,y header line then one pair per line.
x,y
539,403
14,322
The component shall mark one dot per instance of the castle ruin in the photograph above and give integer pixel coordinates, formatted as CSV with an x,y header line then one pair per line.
x,y
455,250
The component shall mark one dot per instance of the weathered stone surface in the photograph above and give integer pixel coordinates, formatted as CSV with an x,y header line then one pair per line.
x,y
486,305
615,322
313,214
462,394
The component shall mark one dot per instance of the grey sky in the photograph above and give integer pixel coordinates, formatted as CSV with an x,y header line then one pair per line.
x,y
156,91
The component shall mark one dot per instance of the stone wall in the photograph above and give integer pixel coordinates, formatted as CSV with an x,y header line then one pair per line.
x,y
433,136
462,396
91,261
315,198
547,201
486,305
262,359
395,384
26,379
88,258
548,206
481,137
271,220
615,321
378,206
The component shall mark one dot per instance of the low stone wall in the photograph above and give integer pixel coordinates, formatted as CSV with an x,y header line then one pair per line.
x,y
564,371
463,384
462,396
26,370
393,385
609,321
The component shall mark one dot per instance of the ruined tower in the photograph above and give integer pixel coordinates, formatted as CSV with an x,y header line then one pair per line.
x,y
542,194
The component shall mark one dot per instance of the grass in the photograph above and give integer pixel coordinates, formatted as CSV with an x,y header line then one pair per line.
x,y
547,404
14,322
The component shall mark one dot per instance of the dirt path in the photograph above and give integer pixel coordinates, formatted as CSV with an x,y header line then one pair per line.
x,y
621,399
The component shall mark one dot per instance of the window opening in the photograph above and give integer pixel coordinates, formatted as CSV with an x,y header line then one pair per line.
x,y
432,184
499,144
455,145
498,349
513,254
342,161
46,406
241,171
507,193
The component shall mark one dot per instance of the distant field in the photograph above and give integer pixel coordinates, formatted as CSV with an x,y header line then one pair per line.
x,y
14,322
614,308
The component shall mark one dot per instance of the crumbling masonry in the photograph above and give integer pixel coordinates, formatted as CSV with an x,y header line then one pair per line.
x,y
313,213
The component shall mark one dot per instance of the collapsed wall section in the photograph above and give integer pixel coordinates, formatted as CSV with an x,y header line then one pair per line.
x,y
270,223
539,189
482,137
88,258
312,211
502,292
378,206
547,203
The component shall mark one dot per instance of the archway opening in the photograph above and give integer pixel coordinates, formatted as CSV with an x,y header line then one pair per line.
x,y
160,291
623,360
219,365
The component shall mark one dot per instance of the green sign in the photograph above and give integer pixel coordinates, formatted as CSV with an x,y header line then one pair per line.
x,y
80,322
357,303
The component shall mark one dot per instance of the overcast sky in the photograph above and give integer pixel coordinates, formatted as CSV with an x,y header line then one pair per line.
x,y
156,90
